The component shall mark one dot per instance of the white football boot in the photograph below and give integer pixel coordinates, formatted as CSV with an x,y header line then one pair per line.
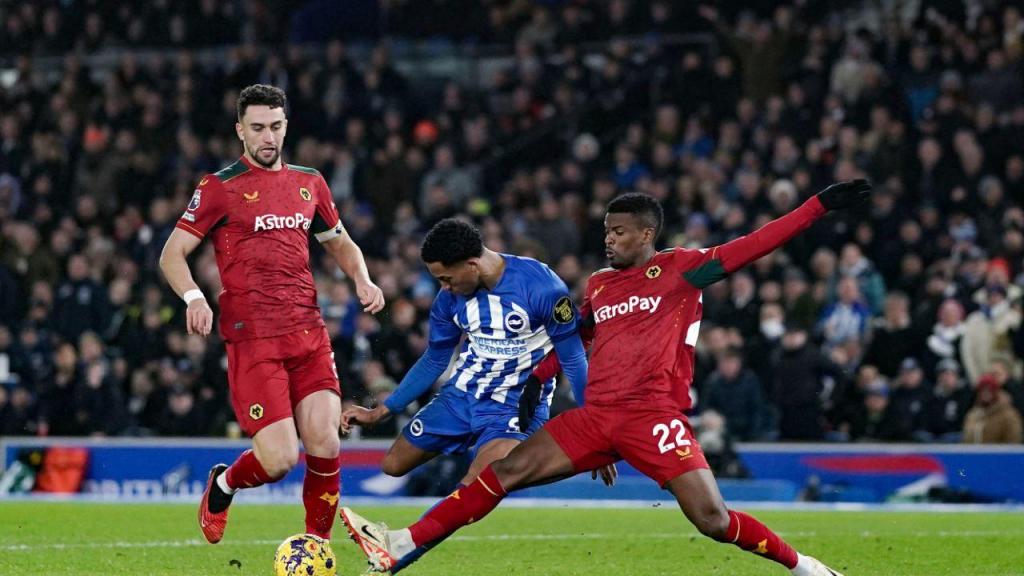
x,y
809,566
372,538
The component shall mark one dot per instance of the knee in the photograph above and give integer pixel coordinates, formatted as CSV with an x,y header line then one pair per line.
x,y
392,466
325,446
713,522
512,471
277,463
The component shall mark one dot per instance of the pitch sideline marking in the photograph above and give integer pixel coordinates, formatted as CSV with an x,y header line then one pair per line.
x,y
531,503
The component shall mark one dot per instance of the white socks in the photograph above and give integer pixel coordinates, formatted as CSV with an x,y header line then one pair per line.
x,y
400,542
222,482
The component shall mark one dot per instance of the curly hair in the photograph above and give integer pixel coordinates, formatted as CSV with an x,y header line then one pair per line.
x,y
260,95
641,205
451,241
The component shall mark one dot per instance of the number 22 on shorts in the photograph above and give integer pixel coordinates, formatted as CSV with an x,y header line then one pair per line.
x,y
665,430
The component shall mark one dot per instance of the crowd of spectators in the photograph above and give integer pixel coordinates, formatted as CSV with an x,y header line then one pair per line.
x,y
900,322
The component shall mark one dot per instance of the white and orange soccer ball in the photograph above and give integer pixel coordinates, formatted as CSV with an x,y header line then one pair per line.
x,y
305,555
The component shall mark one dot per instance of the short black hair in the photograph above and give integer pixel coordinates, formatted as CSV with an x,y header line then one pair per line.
x,y
451,241
260,95
641,205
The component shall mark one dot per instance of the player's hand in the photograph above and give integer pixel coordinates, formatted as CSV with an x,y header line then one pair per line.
x,y
364,416
199,317
844,195
528,402
608,474
370,296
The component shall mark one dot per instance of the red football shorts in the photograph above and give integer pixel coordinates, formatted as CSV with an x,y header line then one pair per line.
x,y
656,441
268,377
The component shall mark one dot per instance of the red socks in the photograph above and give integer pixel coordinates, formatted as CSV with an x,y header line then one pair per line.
x,y
749,534
464,506
247,472
320,491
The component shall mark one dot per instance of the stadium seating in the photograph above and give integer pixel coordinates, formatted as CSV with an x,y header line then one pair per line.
x,y
527,117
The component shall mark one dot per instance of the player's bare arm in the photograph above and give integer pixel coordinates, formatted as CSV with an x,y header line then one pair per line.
x,y
350,258
425,372
364,416
174,265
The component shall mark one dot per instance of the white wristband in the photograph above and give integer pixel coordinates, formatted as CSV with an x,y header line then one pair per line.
x,y
194,294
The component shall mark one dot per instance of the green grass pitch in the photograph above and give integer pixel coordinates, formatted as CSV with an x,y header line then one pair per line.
x,y
121,539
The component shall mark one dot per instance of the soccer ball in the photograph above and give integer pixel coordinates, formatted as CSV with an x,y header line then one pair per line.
x,y
305,555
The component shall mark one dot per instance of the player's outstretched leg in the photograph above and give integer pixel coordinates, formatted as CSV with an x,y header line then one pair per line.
x,y
698,496
489,451
751,535
384,548
418,553
536,461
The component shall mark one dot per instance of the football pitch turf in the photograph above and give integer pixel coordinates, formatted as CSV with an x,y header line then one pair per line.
x,y
142,539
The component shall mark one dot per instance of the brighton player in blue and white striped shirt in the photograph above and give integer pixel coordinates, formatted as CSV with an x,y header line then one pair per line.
x,y
513,311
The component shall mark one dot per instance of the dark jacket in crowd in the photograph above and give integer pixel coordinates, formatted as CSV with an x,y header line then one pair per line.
x,y
944,413
885,426
889,346
909,405
800,378
739,400
79,307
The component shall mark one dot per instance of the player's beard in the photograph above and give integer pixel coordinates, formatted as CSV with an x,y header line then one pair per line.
x,y
266,164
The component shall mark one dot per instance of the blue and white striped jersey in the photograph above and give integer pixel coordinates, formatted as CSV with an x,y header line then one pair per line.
x,y
509,329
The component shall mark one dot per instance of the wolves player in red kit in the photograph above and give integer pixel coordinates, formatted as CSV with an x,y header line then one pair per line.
x,y
637,390
259,213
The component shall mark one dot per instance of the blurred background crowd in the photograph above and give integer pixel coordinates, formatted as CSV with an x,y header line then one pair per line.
x,y
900,322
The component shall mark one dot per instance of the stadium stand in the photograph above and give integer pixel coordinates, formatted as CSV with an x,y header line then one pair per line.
x,y
902,323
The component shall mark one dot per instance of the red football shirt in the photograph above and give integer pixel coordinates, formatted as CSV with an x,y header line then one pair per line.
x,y
260,222
646,319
